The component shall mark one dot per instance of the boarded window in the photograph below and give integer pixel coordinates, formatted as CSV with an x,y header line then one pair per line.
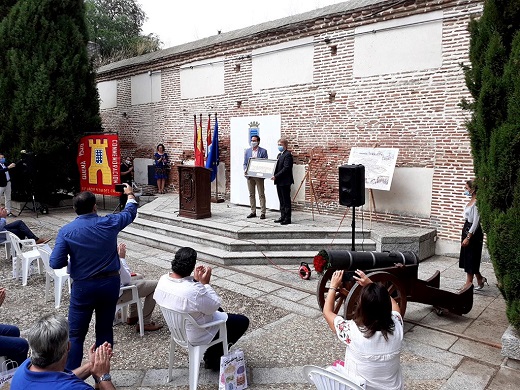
x,y
146,88
202,78
288,63
406,44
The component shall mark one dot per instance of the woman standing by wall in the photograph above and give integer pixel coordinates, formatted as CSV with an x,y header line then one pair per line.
x,y
471,240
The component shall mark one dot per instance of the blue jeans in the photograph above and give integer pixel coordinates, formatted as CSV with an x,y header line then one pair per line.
x,y
12,346
20,229
87,296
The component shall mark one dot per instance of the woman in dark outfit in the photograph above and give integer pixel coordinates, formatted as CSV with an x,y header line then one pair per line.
x,y
161,168
471,240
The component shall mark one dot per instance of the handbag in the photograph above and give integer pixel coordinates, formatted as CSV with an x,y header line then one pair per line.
x,y
7,371
233,374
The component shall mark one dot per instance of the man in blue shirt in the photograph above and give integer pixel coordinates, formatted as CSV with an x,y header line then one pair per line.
x,y
45,369
91,243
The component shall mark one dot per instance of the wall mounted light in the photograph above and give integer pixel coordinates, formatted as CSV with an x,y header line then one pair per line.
x,y
239,103
333,50
332,96
124,114
237,68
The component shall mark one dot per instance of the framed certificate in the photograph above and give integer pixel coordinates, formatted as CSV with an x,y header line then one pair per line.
x,y
260,167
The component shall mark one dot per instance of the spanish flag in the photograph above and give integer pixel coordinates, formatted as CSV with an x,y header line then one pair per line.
x,y
199,146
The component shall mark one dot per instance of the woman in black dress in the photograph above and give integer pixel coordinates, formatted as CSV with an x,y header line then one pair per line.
x,y
471,240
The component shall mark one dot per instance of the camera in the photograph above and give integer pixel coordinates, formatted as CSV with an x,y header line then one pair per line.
x,y
120,188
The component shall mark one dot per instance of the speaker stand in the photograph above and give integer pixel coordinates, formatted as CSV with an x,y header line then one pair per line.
x,y
353,248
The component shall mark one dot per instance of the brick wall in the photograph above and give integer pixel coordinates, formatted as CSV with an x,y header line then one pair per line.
x,y
417,111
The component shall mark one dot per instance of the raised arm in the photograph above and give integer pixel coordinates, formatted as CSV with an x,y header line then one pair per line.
x,y
328,308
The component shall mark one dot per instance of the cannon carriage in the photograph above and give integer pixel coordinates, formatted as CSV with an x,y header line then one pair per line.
x,y
398,272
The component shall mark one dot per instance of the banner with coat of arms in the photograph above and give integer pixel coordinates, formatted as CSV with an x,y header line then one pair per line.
x,y
99,163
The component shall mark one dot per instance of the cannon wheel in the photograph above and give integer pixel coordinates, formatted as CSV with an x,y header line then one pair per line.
x,y
323,290
392,284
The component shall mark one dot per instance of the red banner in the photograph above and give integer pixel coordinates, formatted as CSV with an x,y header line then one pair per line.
x,y
99,162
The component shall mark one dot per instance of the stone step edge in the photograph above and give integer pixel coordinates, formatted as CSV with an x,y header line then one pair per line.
x,y
226,240
221,256
231,242
155,215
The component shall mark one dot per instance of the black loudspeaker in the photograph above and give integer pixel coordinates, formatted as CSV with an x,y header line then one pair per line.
x,y
352,185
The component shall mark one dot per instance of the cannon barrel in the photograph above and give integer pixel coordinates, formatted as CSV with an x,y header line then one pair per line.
x,y
349,260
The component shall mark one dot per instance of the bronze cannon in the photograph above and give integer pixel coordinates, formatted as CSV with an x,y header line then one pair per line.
x,y
398,272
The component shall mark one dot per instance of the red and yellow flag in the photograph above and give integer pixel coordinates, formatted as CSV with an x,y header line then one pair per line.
x,y
199,146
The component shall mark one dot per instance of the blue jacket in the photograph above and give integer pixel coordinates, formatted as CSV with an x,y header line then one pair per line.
x,y
262,153
91,243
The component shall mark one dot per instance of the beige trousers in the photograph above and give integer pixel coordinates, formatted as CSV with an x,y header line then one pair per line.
x,y
145,288
253,182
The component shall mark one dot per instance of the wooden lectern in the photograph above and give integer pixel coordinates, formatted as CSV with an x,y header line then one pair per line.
x,y
194,192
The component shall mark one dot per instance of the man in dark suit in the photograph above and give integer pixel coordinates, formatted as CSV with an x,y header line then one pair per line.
x,y
283,179
255,151
5,182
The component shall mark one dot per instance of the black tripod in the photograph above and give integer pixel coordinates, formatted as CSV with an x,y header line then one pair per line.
x,y
27,163
32,200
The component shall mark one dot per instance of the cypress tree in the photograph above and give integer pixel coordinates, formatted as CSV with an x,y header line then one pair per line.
x,y
47,89
493,79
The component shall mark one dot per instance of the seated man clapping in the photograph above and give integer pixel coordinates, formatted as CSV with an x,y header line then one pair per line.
x,y
145,288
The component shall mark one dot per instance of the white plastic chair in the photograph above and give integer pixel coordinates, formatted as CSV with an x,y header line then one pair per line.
x,y
326,380
5,239
177,324
123,306
25,258
59,276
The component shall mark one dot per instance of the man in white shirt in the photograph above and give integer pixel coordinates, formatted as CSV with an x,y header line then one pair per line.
x,y
180,291
145,289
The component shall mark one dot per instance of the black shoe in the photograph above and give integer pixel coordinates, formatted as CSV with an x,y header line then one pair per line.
x,y
11,215
278,220
262,216
252,215
286,222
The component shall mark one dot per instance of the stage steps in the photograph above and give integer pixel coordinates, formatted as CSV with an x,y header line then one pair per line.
x,y
231,243
229,238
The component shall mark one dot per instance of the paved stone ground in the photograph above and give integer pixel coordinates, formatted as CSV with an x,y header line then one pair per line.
x,y
287,330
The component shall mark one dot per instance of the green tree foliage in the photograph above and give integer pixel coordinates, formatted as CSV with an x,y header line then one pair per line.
x,y
48,93
494,82
115,27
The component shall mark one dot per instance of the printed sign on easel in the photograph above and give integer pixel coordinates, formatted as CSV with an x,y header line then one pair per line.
x,y
379,165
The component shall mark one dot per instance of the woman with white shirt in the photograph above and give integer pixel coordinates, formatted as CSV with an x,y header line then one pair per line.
x,y
471,240
373,337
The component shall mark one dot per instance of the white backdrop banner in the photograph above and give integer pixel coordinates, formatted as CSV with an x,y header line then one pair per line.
x,y
268,128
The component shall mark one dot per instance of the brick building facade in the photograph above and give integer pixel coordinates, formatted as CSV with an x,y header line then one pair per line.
x,y
363,91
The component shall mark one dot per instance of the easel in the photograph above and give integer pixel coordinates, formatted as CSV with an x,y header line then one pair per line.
x,y
371,205
371,199
307,176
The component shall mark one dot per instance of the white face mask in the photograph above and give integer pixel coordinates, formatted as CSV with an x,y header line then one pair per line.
x,y
128,162
254,144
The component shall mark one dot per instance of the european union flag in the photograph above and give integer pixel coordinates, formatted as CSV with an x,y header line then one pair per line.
x,y
213,158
